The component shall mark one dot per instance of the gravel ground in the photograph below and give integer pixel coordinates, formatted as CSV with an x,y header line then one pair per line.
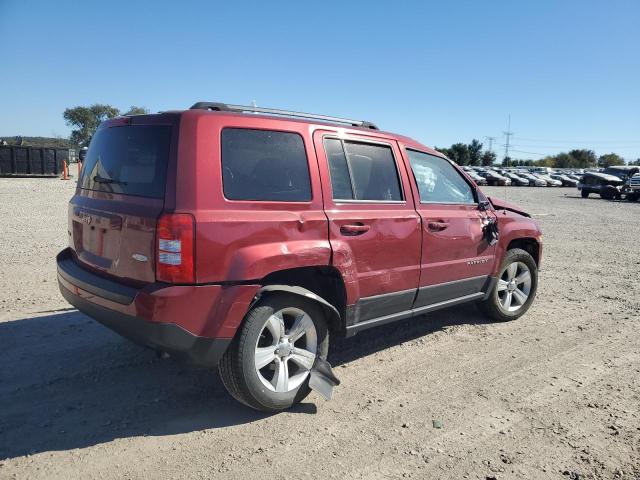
x,y
555,394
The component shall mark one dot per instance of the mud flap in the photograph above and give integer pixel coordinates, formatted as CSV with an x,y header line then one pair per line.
x,y
322,379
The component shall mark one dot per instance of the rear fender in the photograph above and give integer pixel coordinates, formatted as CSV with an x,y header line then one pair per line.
x,y
257,261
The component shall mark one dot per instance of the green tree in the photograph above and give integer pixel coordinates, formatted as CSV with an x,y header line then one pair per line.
x,y
584,158
444,151
488,158
635,162
609,160
86,121
459,153
133,110
475,152
563,160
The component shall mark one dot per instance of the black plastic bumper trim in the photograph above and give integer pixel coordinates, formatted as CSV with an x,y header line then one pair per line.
x,y
166,337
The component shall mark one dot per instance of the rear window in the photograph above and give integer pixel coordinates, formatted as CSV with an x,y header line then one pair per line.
x,y
264,165
130,160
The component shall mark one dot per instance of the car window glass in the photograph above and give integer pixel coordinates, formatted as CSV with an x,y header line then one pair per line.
x,y
339,171
362,171
438,181
129,160
264,165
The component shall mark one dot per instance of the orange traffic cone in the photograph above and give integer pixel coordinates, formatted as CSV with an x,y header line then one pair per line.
x,y
65,170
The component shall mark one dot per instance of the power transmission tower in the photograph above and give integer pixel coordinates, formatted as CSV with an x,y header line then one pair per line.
x,y
491,139
507,134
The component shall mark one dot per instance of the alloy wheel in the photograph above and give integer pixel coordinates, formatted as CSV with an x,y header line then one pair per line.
x,y
286,350
514,286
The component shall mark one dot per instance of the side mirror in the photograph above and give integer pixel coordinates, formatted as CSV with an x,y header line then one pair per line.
x,y
483,206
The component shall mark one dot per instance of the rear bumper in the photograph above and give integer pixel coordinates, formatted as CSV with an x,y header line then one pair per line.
x,y
166,337
194,321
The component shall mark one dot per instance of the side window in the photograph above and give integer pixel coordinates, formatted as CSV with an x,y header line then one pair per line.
x,y
338,168
438,181
362,171
264,165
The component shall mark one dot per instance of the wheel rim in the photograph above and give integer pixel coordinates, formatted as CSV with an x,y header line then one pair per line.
x,y
514,286
286,350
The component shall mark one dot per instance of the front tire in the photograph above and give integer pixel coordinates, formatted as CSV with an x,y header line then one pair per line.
x,y
584,193
515,290
268,363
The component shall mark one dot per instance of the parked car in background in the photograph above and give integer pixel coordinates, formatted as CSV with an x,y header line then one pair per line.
x,y
626,174
476,178
550,181
606,185
533,180
494,178
247,238
517,180
541,170
634,188
565,179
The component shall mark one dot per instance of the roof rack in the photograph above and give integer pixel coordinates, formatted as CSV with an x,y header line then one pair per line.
x,y
223,107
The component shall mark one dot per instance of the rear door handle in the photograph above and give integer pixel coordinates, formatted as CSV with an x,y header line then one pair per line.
x,y
437,226
355,229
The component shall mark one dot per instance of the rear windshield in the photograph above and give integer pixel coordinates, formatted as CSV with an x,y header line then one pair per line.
x,y
131,160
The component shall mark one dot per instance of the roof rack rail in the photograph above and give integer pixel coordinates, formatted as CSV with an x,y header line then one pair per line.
x,y
223,107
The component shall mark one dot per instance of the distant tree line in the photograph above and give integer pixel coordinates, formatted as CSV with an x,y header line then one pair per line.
x,y
472,154
38,142
469,154
578,158
86,120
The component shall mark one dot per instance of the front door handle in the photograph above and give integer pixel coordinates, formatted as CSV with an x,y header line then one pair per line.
x,y
438,226
355,229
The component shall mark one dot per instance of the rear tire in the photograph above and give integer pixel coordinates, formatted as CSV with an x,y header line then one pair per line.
x,y
515,290
584,193
267,365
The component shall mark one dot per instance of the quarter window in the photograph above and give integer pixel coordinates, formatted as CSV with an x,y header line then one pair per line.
x,y
362,171
438,181
264,165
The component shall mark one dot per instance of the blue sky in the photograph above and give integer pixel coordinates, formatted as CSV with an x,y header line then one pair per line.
x,y
568,72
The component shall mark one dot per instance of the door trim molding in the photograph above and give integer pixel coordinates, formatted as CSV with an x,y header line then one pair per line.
x,y
442,292
386,304
486,287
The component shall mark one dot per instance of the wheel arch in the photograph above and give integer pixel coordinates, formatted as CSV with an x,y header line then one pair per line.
x,y
322,284
529,245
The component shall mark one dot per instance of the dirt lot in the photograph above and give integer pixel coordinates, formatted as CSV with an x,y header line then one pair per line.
x,y
555,394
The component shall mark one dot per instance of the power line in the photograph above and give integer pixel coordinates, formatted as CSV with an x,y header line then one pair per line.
x,y
574,145
530,153
587,142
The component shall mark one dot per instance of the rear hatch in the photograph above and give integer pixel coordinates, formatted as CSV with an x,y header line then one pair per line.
x,y
121,194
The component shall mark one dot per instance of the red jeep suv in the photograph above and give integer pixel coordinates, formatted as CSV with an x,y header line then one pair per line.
x,y
245,237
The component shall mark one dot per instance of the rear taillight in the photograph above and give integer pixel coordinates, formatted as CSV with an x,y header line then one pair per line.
x,y
175,252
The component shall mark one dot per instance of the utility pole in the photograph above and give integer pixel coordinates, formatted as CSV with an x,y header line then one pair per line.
x,y
507,134
491,139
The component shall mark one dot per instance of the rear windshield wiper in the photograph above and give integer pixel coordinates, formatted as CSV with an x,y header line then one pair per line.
x,y
100,179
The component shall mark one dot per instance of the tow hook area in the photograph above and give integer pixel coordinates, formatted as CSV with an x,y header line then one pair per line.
x,y
322,379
